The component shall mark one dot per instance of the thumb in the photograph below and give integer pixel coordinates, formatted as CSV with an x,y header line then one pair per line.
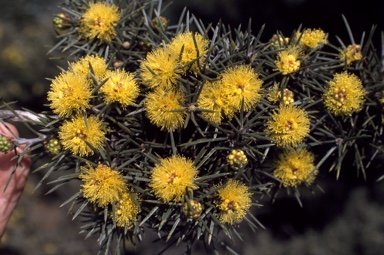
x,y
10,196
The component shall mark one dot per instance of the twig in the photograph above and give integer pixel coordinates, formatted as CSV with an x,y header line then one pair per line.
x,y
21,116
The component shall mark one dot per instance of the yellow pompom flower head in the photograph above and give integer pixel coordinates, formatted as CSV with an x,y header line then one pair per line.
x,y
212,100
345,94
294,167
288,61
172,177
102,185
84,64
237,159
240,83
126,211
99,22
312,38
288,126
160,68
82,135
120,87
351,54
189,47
69,93
233,202
164,109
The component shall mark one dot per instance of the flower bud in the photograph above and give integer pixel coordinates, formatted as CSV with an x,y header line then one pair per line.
x,y
5,144
192,210
52,146
237,159
60,21
159,23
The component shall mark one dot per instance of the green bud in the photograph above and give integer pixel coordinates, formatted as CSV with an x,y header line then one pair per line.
x,y
53,146
5,144
237,159
192,210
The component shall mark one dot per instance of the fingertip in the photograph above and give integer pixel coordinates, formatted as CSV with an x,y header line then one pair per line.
x,y
8,129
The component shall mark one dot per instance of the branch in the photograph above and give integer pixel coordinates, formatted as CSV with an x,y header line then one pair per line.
x,y
22,116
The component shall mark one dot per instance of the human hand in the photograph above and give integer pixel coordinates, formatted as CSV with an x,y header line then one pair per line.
x,y
9,197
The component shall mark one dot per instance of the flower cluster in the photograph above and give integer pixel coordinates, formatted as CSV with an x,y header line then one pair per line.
x,y
183,130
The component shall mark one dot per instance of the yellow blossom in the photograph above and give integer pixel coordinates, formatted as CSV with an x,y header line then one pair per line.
x,y
294,167
275,96
69,93
126,211
233,202
99,21
184,48
288,126
120,87
240,83
312,38
160,68
78,134
287,61
172,177
83,65
211,99
160,106
345,94
351,53
102,185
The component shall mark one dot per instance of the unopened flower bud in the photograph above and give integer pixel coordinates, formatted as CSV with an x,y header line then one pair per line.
x,y
237,159
60,21
126,45
5,144
159,23
192,210
53,146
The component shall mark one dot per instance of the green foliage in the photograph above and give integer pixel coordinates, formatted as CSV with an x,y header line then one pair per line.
x,y
133,145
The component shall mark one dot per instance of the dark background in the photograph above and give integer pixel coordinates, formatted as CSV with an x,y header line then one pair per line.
x,y
346,219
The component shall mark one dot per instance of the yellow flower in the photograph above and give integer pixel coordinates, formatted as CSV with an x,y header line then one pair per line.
x,y
351,53
82,66
184,48
126,211
287,61
240,83
79,134
161,105
211,99
99,21
288,127
234,201
120,87
312,38
172,177
275,96
102,185
69,93
160,68
294,167
345,94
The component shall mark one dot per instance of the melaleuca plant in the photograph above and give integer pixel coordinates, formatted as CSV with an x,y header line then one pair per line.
x,y
183,128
